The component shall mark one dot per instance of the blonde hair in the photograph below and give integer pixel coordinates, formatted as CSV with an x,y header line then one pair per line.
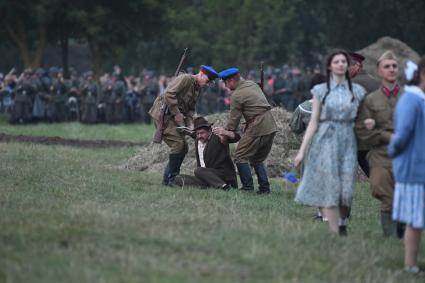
x,y
387,55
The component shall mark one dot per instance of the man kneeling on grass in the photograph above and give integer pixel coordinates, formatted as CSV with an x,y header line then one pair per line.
x,y
214,165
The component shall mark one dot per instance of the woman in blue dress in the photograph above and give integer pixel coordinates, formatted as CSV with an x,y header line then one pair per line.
x,y
329,145
407,149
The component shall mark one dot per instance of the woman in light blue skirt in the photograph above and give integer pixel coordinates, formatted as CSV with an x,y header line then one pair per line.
x,y
331,159
408,152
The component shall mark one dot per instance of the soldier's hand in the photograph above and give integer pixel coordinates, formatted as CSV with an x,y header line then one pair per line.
x,y
369,123
179,119
219,131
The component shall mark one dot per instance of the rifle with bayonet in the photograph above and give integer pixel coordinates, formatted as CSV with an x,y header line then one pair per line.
x,y
157,138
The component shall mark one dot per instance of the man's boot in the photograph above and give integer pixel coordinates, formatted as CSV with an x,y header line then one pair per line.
x,y
246,177
389,227
165,175
182,155
401,228
263,181
174,169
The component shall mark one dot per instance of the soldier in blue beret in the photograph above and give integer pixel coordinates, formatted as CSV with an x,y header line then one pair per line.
x,y
180,97
249,101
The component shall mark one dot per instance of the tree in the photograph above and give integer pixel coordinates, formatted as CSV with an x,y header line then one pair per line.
x,y
108,29
232,32
26,24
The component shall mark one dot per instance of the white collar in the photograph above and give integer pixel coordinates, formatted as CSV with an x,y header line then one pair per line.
x,y
333,84
415,90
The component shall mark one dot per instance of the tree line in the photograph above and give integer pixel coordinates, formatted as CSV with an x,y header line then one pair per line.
x,y
221,32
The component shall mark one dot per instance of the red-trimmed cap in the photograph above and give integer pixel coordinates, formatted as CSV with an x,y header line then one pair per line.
x,y
356,57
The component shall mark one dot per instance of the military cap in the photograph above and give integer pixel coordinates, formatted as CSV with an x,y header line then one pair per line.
x,y
209,71
356,57
228,73
201,122
386,55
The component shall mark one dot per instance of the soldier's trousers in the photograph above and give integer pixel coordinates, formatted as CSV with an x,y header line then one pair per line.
x,y
381,182
362,160
174,140
205,177
254,149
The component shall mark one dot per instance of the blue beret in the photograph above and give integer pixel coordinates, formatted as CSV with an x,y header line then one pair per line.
x,y
228,73
209,71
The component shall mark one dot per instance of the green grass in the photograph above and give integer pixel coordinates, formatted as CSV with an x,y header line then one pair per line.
x,y
71,215
74,130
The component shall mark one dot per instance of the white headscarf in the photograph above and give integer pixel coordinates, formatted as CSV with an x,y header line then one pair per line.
x,y
410,69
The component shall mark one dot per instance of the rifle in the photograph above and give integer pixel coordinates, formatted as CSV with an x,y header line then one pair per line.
x,y
262,76
157,138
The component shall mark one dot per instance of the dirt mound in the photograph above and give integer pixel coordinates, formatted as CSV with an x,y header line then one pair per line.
x,y
375,50
66,142
152,158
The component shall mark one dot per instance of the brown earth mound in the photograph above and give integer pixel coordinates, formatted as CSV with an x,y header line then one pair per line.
x,y
152,158
66,142
375,50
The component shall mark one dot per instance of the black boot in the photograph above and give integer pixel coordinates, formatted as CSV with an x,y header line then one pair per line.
x,y
401,227
263,180
246,178
182,155
165,175
389,227
174,169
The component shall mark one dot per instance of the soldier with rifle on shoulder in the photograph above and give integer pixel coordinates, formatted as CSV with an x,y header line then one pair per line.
x,y
175,108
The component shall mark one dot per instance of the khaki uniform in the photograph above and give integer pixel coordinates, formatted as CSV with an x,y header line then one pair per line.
x,y
249,101
180,96
370,84
380,108
367,81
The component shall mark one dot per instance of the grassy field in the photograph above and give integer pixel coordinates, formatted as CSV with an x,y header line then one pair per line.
x,y
75,130
72,215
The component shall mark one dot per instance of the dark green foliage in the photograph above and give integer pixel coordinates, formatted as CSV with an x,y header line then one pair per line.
x,y
223,32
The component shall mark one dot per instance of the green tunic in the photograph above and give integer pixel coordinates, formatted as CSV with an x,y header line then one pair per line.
x,y
380,108
249,101
180,96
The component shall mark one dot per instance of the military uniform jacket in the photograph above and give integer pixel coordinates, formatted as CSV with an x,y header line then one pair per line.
x,y
217,156
180,96
380,108
368,82
248,100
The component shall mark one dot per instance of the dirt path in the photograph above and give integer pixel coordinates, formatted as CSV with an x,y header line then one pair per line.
x,y
66,142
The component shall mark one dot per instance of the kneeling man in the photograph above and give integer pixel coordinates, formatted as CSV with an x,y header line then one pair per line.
x,y
214,165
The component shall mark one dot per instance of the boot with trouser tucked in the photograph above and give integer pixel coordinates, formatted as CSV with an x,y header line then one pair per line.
x,y
244,171
389,227
174,164
165,174
263,181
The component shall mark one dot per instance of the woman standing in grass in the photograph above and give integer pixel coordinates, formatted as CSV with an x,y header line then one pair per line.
x,y
407,149
330,165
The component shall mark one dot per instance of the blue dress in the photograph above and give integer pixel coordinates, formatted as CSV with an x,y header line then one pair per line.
x,y
406,148
331,160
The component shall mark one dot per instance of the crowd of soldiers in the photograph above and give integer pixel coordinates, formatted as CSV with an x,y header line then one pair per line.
x,y
47,95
